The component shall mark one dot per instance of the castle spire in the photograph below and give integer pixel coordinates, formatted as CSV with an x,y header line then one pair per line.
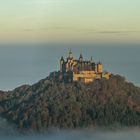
x,y
91,59
62,58
81,57
61,63
70,54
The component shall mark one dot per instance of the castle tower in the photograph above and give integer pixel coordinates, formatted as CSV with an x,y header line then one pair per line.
x,y
61,63
81,58
69,62
99,67
70,56
91,59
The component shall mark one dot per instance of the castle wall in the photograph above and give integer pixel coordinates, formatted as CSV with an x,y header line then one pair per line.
x,y
84,76
89,76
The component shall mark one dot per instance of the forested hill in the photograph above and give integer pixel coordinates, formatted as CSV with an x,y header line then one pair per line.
x,y
49,103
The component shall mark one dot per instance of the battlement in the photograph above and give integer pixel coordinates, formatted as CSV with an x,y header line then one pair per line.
x,y
81,70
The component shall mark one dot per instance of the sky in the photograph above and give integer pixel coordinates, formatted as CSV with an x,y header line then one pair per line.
x,y
69,20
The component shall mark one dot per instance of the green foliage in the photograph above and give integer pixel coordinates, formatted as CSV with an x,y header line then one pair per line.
x,y
50,103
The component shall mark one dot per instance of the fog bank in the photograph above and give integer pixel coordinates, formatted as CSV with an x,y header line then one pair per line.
x,y
9,132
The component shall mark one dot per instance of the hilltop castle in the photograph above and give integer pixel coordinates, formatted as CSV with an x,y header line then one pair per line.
x,y
81,70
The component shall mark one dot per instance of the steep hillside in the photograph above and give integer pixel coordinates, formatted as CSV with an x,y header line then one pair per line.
x,y
50,103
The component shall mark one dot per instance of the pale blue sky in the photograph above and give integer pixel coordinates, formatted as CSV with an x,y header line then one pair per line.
x,y
70,20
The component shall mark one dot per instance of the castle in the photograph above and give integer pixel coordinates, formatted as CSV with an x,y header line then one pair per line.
x,y
81,70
